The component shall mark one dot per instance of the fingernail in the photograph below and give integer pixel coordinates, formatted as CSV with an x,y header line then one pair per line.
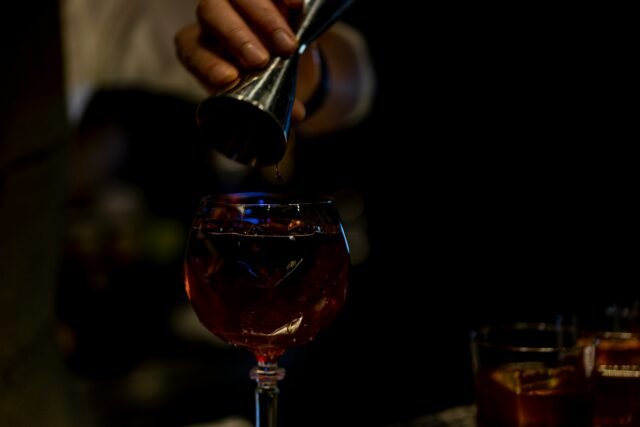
x,y
254,55
284,41
222,73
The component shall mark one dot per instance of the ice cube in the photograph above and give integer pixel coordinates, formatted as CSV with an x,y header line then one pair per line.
x,y
299,227
511,375
551,380
534,378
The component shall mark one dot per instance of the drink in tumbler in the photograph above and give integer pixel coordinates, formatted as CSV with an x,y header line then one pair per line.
x,y
532,375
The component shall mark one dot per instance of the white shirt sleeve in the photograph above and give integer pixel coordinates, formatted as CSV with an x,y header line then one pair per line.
x,y
124,43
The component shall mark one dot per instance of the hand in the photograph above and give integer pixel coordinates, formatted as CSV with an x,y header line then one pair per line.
x,y
233,37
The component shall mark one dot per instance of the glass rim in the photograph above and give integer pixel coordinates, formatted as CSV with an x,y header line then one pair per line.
x,y
273,200
480,337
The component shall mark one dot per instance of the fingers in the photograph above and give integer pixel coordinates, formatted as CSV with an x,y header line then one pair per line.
x,y
248,29
219,17
269,23
210,68
236,35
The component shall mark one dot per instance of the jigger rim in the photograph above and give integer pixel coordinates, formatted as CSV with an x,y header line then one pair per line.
x,y
230,107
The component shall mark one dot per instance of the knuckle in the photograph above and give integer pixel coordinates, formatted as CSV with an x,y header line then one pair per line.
x,y
236,33
237,36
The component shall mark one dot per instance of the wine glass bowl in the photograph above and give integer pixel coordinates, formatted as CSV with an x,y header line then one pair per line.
x,y
265,272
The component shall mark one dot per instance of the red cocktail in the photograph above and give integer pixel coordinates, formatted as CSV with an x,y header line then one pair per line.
x,y
265,273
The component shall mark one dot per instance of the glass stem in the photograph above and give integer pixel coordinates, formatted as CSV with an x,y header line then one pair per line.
x,y
267,376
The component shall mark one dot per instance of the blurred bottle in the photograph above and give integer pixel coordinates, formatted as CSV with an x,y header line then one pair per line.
x,y
617,374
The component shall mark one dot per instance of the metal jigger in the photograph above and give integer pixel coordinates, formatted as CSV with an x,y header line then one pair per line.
x,y
250,122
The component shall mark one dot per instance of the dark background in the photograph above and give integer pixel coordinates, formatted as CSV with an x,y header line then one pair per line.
x,y
499,184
